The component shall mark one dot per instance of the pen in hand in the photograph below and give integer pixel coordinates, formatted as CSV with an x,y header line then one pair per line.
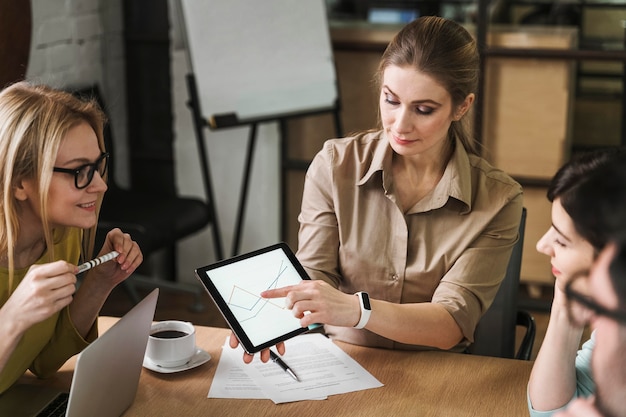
x,y
276,359
95,262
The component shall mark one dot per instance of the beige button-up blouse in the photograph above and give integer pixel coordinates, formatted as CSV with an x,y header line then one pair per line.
x,y
451,248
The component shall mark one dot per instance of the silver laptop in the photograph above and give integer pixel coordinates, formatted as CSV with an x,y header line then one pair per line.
x,y
106,374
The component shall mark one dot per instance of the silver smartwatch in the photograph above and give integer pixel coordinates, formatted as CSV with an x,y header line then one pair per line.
x,y
366,309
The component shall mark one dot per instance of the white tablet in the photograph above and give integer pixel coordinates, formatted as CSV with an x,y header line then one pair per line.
x,y
235,286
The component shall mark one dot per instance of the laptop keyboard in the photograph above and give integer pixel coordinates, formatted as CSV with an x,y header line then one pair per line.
x,y
57,407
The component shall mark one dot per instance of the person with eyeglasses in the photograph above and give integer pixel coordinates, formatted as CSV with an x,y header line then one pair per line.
x,y
53,168
600,301
562,369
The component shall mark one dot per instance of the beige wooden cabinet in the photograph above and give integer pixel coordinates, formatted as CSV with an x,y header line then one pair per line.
x,y
527,125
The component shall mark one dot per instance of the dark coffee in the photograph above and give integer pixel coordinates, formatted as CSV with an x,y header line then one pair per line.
x,y
169,334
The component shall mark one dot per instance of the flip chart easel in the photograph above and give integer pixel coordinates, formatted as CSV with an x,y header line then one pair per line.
x,y
257,62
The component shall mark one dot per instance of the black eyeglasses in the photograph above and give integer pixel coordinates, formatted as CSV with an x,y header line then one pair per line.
x,y
581,307
83,175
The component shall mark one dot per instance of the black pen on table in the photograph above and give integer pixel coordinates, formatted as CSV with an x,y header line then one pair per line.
x,y
282,364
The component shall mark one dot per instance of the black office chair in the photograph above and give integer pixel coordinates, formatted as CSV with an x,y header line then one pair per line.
x,y
496,331
156,221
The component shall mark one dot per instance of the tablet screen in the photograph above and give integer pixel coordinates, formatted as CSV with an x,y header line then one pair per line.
x,y
235,285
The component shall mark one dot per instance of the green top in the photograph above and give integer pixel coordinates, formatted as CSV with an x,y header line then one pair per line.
x,y
46,346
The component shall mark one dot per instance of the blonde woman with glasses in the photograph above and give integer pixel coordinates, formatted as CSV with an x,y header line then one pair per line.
x,y
53,177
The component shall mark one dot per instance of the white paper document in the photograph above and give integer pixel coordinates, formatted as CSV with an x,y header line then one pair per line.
x,y
321,366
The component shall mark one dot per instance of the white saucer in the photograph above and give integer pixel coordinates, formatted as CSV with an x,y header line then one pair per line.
x,y
200,357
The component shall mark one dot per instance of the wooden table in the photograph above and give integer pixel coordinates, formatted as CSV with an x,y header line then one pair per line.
x,y
415,383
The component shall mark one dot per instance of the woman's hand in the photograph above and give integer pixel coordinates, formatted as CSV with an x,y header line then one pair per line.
x,y
265,354
559,294
100,280
128,260
560,298
582,407
45,290
315,301
311,301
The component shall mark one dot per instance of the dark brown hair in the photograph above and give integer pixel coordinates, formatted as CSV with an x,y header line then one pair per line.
x,y
585,185
445,51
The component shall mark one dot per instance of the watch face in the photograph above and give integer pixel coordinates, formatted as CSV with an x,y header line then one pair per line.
x,y
366,301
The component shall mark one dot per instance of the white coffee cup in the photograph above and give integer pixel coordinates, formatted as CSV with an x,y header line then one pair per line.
x,y
171,343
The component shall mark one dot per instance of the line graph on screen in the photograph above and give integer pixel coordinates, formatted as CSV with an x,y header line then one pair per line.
x,y
247,305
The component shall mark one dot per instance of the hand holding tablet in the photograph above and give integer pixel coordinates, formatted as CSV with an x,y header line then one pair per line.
x,y
236,284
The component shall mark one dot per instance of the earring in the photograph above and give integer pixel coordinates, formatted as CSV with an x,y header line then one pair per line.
x,y
459,114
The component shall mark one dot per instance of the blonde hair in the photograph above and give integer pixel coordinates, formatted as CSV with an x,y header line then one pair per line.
x,y
34,119
444,50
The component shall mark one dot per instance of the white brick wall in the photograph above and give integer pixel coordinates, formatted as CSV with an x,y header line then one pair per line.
x,y
78,43
66,38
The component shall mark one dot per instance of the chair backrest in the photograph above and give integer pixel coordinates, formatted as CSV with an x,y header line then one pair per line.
x,y
496,331
156,220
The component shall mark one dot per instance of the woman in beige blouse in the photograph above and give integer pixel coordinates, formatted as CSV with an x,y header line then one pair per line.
x,y
410,215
